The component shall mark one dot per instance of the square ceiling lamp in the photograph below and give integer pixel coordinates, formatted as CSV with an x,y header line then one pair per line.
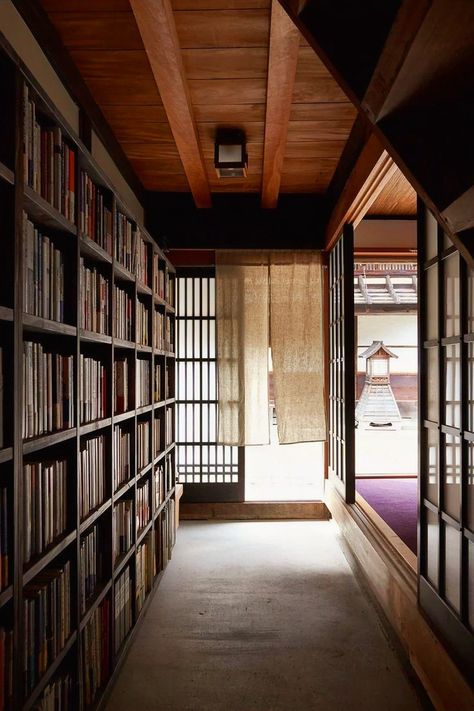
x,y
230,157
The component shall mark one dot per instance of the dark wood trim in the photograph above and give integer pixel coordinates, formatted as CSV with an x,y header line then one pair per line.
x,y
50,42
254,511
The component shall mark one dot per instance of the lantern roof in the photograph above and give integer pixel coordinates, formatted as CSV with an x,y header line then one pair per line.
x,y
377,348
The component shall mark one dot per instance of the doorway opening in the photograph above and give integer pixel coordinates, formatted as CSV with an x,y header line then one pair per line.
x,y
386,384
283,472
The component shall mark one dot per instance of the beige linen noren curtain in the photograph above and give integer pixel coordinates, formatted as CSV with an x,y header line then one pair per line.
x,y
267,297
242,347
296,336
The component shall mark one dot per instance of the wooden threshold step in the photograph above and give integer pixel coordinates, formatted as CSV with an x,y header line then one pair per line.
x,y
255,511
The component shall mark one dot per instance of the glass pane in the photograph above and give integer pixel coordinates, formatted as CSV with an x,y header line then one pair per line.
x,y
432,302
451,296
431,236
432,548
470,487
452,481
452,374
431,492
433,384
452,566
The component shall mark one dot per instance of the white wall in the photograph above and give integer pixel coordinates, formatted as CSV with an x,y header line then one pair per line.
x,y
19,36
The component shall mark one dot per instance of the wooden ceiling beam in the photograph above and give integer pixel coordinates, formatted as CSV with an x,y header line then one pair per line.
x,y
157,28
282,61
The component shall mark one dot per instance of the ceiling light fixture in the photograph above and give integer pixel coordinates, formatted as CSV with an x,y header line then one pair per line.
x,y
230,157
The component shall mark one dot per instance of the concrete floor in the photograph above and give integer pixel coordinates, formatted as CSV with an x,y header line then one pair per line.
x,y
261,616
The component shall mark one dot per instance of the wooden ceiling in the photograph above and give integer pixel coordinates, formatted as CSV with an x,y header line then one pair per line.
x,y
224,47
398,198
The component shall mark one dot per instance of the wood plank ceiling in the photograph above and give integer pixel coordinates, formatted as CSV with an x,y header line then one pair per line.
x,y
225,49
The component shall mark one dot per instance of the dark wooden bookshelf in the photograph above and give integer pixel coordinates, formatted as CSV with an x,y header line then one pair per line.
x,y
17,200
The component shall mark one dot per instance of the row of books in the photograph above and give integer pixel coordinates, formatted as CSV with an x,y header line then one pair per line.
x,y
43,274
143,505
143,320
57,696
142,261
95,217
89,565
143,382
96,652
49,162
158,441
143,571
123,316
169,429
92,474
157,383
95,301
169,288
121,386
123,527
48,390
125,241
47,610
123,607
93,389
163,331
45,505
6,668
169,468
122,450
143,444
159,476
158,276
4,538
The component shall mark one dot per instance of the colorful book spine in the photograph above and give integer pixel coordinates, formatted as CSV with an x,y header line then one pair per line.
x,y
123,527
123,607
96,653
92,474
143,505
43,274
47,620
125,241
157,391
142,388
159,330
121,386
143,320
95,302
159,476
142,263
57,696
44,505
95,217
93,389
143,444
49,161
48,390
123,317
122,457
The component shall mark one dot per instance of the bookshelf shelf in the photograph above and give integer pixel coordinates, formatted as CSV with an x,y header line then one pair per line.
x,y
48,557
96,514
7,174
6,314
6,454
43,325
44,213
6,595
99,454
37,443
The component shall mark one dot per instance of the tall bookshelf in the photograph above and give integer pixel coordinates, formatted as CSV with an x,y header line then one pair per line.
x,y
87,489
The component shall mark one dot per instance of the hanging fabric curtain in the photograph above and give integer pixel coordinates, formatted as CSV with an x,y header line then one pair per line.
x,y
296,333
242,297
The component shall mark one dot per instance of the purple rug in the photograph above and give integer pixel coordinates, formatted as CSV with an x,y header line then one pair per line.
x,y
396,501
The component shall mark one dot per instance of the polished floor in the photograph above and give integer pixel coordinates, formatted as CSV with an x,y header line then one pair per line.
x,y
261,616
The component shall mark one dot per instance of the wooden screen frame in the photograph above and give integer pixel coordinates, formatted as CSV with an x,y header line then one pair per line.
x,y
452,625
341,391
217,492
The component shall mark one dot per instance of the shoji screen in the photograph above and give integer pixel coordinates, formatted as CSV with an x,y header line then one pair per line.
x,y
210,472
446,545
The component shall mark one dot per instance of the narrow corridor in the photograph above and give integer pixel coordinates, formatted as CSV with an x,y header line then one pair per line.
x,y
261,616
